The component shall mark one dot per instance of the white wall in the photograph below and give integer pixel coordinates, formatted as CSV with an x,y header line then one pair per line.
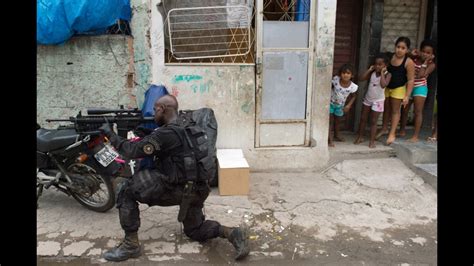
x,y
230,91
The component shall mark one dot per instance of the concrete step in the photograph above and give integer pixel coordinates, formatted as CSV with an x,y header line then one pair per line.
x,y
430,168
421,152
347,150
429,173
421,157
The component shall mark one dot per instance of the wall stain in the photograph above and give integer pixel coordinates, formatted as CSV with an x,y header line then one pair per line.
x,y
246,106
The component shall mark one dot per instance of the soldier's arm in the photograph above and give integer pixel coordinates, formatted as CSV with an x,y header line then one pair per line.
x,y
143,148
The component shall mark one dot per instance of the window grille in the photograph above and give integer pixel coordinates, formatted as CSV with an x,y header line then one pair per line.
x,y
286,10
213,34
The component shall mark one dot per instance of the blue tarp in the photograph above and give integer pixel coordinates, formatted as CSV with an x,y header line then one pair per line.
x,y
58,20
151,95
302,10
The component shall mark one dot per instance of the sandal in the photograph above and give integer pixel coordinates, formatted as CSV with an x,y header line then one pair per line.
x,y
431,139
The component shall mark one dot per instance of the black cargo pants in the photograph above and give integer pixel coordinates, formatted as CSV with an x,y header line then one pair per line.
x,y
152,188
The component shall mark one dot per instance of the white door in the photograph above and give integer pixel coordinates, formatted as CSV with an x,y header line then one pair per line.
x,y
284,67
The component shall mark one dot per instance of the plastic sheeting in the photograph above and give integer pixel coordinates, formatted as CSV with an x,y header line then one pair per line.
x,y
151,95
59,20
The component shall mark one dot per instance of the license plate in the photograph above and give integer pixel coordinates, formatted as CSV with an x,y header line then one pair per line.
x,y
106,155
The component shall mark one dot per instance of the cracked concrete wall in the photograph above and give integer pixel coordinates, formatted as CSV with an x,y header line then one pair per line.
x,y
324,38
87,71
142,45
230,91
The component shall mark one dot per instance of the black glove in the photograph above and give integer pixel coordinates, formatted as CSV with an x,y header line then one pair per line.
x,y
106,129
142,131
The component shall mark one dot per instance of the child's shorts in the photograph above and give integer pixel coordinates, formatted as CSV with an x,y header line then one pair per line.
x,y
396,93
421,91
337,110
377,106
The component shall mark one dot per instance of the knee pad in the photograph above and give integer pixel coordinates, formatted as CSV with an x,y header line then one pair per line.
x,y
146,186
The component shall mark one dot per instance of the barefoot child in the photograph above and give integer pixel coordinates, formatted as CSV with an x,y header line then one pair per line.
x,y
424,65
400,86
374,97
342,86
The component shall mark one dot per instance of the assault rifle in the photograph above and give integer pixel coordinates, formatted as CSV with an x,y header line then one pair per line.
x,y
126,120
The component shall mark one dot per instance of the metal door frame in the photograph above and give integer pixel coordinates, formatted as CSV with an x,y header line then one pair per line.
x,y
259,77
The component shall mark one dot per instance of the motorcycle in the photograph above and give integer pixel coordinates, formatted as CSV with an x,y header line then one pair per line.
x,y
79,161
80,164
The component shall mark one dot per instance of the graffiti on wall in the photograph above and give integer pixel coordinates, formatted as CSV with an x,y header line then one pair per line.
x,y
214,85
196,84
203,87
186,78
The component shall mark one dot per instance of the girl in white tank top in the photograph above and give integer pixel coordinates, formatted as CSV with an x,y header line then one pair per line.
x,y
374,98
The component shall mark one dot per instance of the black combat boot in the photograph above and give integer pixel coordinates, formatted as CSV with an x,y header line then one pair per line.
x,y
238,236
129,248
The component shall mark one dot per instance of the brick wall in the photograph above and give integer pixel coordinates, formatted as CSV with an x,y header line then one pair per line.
x,y
400,18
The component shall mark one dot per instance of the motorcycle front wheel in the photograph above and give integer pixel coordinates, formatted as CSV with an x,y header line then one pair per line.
x,y
94,191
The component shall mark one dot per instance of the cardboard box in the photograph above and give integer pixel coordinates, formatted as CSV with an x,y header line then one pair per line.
x,y
233,173
229,153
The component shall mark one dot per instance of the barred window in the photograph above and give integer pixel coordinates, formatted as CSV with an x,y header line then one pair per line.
x,y
209,32
288,10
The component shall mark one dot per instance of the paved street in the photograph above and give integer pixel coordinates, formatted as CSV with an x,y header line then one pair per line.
x,y
355,212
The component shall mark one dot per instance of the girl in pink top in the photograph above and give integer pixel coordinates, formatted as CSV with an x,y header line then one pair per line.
x,y
424,66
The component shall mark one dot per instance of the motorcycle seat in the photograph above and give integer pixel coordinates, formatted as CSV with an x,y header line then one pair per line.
x,y
52,139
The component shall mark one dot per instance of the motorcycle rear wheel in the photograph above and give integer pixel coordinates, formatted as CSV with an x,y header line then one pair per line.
x,y
97,193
